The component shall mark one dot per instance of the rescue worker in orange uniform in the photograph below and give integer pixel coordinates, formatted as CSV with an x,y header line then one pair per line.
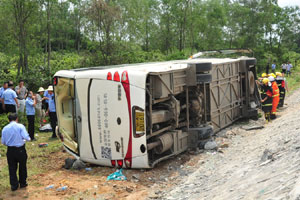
x,y
275,96
266,96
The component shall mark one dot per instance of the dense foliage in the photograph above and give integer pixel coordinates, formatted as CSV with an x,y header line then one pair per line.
x,y
39,37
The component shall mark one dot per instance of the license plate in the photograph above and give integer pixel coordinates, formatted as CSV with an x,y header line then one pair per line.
x,y
139,121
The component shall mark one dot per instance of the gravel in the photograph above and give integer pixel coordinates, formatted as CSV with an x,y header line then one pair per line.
x,y
256,164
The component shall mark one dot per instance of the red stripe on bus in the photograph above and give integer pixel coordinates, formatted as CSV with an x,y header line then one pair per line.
x,y
126,86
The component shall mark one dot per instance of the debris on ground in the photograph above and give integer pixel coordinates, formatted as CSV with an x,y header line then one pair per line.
x,y
117,175
210,145
255,127
63,188
45,128
78,165
69,163
267,155
136,177
49,187
43,145
224,145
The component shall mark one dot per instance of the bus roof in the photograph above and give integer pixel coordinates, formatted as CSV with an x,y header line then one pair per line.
x,y
150,66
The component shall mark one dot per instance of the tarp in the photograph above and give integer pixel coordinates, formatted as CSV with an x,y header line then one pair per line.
x,y
117,175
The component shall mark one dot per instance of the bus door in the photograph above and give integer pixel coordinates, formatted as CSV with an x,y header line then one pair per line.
x,y
65,104
85,147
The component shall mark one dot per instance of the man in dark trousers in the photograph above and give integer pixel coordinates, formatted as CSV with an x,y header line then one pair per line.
x,y
52,110
14,136
30,104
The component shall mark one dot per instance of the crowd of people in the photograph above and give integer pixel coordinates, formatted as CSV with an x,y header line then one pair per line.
x,y
273,87
20,100
285,68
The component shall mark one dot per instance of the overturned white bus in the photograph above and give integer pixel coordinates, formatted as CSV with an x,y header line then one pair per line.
x,y
137,115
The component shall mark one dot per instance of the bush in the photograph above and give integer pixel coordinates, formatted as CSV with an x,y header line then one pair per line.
x,y
3,122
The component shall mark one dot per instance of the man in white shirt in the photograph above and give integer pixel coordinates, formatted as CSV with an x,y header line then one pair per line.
x,y
22,94
283,67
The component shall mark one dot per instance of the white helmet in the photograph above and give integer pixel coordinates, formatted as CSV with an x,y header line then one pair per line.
x,y
271,78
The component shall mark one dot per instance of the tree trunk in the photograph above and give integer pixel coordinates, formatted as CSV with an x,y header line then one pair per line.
x,y
49,36
147,36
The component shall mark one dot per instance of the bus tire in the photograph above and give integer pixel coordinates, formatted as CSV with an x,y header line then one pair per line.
x,y
202,133
251,79
251,62
203,67
204,78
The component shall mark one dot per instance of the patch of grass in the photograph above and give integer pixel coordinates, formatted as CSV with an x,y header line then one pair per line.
x,y
294,80
37,162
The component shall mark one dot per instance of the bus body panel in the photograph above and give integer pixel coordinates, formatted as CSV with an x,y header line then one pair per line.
x,y
139,128
109,119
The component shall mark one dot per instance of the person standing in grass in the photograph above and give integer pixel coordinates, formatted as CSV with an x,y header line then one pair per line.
x,y
22,94
30,104
283,67
38,108
52,110
273,67
288,69
9,99
14,136
46,98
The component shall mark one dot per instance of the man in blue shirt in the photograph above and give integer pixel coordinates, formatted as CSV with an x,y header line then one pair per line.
x,y
47,96
2,89
273,67
52,110
30,104
288,68
9,99
14,136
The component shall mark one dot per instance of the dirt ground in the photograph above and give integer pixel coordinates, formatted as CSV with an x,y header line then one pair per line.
x,y
237,170
93,185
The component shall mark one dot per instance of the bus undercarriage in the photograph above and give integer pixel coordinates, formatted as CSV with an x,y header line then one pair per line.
x,y
185,107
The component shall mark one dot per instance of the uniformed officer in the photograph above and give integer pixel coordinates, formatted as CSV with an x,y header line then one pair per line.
x,y
30,104
14,136
9,99
52,110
